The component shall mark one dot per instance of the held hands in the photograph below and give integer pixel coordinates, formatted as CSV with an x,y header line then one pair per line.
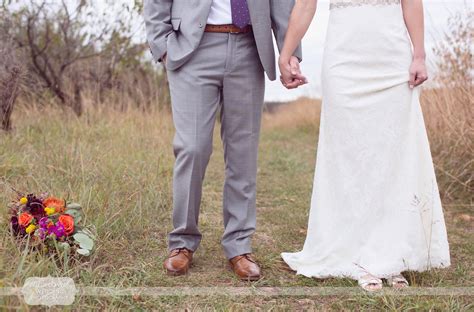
x,y
291,76
418,72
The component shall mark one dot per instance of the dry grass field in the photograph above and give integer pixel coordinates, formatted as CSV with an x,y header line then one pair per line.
x,y
100,133
119,166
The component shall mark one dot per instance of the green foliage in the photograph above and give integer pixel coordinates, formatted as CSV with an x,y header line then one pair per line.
x,y
75,210
74,206
84,241
83,252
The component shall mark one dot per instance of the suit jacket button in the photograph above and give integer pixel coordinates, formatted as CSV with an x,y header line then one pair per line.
x,y
200,25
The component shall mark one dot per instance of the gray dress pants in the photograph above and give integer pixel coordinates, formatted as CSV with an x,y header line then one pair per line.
x,y
224,71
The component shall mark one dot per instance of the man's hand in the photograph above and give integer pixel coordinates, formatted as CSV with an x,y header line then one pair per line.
x,y
291,76
418,73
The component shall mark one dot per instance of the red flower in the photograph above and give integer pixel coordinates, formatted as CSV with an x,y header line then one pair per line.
x,y
25,219
56,203
68,223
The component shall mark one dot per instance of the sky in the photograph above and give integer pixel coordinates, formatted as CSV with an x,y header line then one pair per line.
x,y
437,13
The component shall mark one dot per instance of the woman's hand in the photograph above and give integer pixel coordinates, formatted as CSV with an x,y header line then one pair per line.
x,y
418,72
414,20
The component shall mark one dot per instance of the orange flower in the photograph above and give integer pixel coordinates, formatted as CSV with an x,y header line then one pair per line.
x,y
56,203
68,222
25,219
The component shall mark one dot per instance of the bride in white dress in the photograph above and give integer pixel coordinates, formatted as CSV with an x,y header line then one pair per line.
x,y
375,209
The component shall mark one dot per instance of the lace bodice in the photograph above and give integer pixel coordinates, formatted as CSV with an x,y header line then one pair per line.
x,y
338,4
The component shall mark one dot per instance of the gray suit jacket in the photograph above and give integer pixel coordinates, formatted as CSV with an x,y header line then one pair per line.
x,y
175,27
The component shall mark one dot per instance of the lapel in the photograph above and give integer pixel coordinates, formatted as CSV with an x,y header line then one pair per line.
x,y
257,8
251,4
207,6
252,9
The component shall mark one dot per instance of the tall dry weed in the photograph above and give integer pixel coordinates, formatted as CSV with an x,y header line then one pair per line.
x,y
448,110
304,112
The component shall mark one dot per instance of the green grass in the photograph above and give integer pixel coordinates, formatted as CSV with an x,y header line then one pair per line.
x,y
119,166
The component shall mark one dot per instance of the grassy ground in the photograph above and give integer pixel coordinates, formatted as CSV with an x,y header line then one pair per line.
x,y
119,166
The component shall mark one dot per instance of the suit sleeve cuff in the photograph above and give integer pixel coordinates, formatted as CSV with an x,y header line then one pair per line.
x,y
158,49
298,53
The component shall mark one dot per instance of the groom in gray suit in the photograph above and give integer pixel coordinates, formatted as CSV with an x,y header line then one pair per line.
x,y
216,53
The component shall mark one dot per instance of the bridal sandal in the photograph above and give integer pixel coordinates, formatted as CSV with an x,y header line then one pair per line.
x,y
370,283
398,281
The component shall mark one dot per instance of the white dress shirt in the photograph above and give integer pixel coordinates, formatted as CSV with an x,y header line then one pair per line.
x,y
221,13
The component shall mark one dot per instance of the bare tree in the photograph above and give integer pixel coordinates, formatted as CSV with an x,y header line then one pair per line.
x,y
57,38
455,51
455,66
82,49
11,74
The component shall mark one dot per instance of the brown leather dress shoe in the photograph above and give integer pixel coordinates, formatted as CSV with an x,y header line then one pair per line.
x,y
178,261
245,267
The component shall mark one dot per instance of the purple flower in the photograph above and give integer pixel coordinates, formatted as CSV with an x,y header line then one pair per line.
x,y
48,227
57,229
43,222
42,233
14,224
35,206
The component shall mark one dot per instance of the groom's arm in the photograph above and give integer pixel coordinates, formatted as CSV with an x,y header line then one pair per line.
x,y
157,14
280,14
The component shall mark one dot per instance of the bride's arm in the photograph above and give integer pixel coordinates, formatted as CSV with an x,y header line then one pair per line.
x,y
414,20
300,19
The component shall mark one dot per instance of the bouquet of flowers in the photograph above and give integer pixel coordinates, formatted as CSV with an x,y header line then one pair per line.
x,y
50,223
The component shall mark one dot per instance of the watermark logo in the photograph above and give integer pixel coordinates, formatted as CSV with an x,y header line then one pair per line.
x,y
49,291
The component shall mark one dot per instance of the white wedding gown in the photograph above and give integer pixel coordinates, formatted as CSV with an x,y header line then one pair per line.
x,y
375,206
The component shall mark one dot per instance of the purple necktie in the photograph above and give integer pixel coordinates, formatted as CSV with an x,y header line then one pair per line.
x,y
240,13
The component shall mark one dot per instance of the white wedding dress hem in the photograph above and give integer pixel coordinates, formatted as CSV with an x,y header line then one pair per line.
x,y
311,271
